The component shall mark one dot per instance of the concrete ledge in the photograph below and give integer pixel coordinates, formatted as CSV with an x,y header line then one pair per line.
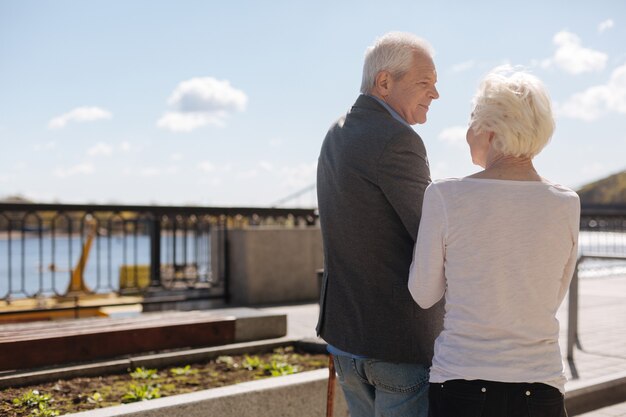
x,y
592,394
250,324
300,395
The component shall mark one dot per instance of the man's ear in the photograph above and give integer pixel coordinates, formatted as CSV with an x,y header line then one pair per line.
x,y
383,83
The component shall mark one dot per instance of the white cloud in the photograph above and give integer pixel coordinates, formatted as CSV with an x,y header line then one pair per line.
x,y
212,181
267,166
100,148
45,146
149,172
84,169
606,25
201,101
275,143
79,114
186,122
176,156
248,174
206,166
592,103
463,66
125,146
571,57
587,106
453,135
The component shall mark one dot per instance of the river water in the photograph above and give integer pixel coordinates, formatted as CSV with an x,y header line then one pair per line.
x,y
30,264
41,267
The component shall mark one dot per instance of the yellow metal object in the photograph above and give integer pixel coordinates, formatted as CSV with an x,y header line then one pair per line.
x,y
39,315
134,276
56,308
77,284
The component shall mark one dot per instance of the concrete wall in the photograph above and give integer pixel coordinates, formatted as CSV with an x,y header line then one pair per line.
x,y
274,265
299,395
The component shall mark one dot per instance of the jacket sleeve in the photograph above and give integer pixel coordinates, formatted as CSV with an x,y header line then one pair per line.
x,y
403,175
427,281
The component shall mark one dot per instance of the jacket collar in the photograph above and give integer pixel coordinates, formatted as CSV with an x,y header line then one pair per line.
x,y
372,103
366,102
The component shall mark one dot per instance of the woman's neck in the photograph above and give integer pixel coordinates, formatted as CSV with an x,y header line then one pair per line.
x,y
506,167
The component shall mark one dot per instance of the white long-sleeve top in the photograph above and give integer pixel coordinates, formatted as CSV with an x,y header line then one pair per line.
x,y
503,253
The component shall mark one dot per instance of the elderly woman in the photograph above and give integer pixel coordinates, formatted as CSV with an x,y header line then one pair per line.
x,y
501,246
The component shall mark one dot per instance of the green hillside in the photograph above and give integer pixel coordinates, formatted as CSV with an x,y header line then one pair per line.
x,y
609,190
15,199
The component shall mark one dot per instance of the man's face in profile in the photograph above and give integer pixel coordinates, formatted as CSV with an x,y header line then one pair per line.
x,y
410,95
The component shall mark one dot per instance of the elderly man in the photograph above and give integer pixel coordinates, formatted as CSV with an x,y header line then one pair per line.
x,y
372,173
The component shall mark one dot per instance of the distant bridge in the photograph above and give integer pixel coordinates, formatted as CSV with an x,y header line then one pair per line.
x,y
309,190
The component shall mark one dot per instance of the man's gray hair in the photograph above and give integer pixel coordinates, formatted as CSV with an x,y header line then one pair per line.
x,y
391,52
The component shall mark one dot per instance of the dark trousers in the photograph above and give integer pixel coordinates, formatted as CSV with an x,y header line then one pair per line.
x,y
478,398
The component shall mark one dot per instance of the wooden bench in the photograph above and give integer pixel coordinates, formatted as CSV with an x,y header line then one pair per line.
x,y
39,344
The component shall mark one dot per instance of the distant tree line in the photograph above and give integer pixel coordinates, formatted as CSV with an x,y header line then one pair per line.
x,y
609,190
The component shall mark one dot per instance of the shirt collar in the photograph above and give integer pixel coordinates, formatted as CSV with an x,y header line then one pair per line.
x,y
391,111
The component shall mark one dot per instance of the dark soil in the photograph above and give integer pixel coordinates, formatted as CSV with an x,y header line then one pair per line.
x,y
80,394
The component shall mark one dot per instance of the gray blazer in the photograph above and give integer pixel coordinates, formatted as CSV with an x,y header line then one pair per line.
x,y
371,176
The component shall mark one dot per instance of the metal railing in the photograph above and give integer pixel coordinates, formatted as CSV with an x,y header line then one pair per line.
x,y
64,251
601,252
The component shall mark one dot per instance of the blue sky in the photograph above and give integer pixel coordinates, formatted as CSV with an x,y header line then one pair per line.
x,y
227,103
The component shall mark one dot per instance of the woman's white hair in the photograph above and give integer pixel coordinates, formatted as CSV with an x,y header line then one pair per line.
x,y
515,106
392,52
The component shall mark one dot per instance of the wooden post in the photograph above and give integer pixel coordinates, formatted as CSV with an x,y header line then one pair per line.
x,y
330,395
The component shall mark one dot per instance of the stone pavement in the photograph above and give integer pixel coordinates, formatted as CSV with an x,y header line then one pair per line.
x,y
602,334
618,410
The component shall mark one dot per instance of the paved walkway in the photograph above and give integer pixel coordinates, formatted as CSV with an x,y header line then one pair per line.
x,y
618,410
602,333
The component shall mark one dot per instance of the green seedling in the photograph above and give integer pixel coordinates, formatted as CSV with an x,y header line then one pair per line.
x,y
183,371
141,393
44,412
39,403
143,373
228,361
251,362
95,398
276,368
32,399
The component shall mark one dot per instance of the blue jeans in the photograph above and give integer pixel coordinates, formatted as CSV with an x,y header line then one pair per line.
x,y
374,388
478,398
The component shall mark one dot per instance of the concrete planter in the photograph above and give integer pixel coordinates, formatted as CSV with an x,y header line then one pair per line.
x,y
299,395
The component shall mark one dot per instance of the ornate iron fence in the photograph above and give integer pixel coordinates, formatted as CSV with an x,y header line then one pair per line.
x,y
63,251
